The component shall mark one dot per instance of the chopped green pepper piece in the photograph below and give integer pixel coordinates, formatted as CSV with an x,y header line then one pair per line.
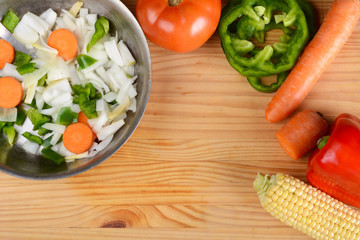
x,y
52,155
66,116
2,124
21,58
42,81
46,143
21,116
85,61
42,131
26,68
37,118
88,107
10,20
102,28
10,133
33,138
256,83
89,90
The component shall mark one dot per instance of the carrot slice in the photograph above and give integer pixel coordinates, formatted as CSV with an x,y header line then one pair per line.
x,y
78,138
7,53
65,42
82,118
338,25
11,92
302,133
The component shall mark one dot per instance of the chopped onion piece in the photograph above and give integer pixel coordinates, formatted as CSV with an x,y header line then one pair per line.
x,y
63,151
110,130
69,23
80,31
49,111
55,127
77,156
91,19
30,147
101,72
87,39
25,34
123,93
68,14
129,70
74,77
37,23
60,23
8,114
119,109
110,97
100,105
55,147
74,10
84,12
10,71
98,54
103,144
63,100
39,101
49,17
30,94
101,122
126,54
75,108
132,92
132,106
113,52
59,71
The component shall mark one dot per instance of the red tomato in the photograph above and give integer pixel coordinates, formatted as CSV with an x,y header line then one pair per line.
x,y
183,27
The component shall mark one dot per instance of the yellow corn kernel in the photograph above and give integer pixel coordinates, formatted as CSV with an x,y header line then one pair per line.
x,y
307,209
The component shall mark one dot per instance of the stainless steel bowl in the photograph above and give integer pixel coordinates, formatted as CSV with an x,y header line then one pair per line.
x,y
14,160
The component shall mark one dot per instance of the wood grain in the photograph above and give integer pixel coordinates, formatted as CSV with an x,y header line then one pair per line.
x,y
187,171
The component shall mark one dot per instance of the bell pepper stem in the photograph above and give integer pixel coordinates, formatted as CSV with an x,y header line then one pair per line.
x,y
322,141
174,3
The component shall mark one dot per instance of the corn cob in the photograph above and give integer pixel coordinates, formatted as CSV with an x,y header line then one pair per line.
x,y
306,208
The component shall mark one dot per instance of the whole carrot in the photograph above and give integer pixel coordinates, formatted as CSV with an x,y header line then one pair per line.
x,y
301,133
338,25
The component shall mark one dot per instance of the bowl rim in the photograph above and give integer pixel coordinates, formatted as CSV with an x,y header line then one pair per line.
x,y
139,114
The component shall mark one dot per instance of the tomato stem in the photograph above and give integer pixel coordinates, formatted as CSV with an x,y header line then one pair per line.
x,y
174,3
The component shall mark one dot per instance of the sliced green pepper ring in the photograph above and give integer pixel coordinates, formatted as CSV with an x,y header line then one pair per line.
x,y
256,83
263,60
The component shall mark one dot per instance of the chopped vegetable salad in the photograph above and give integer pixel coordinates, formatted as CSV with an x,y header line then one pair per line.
x,y
70,93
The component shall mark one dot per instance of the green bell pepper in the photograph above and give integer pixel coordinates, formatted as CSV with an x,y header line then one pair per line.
x,y
33,138
259,86
262,61
243,21
37,118
26,68
10,20
21,58
10,133
102,27
21,116
66,116
52,155
85,61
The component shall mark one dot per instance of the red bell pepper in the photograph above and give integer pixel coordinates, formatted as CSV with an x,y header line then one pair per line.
x,y
335,168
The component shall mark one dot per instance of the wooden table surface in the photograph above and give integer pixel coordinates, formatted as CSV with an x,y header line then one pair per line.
x,y
187,171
